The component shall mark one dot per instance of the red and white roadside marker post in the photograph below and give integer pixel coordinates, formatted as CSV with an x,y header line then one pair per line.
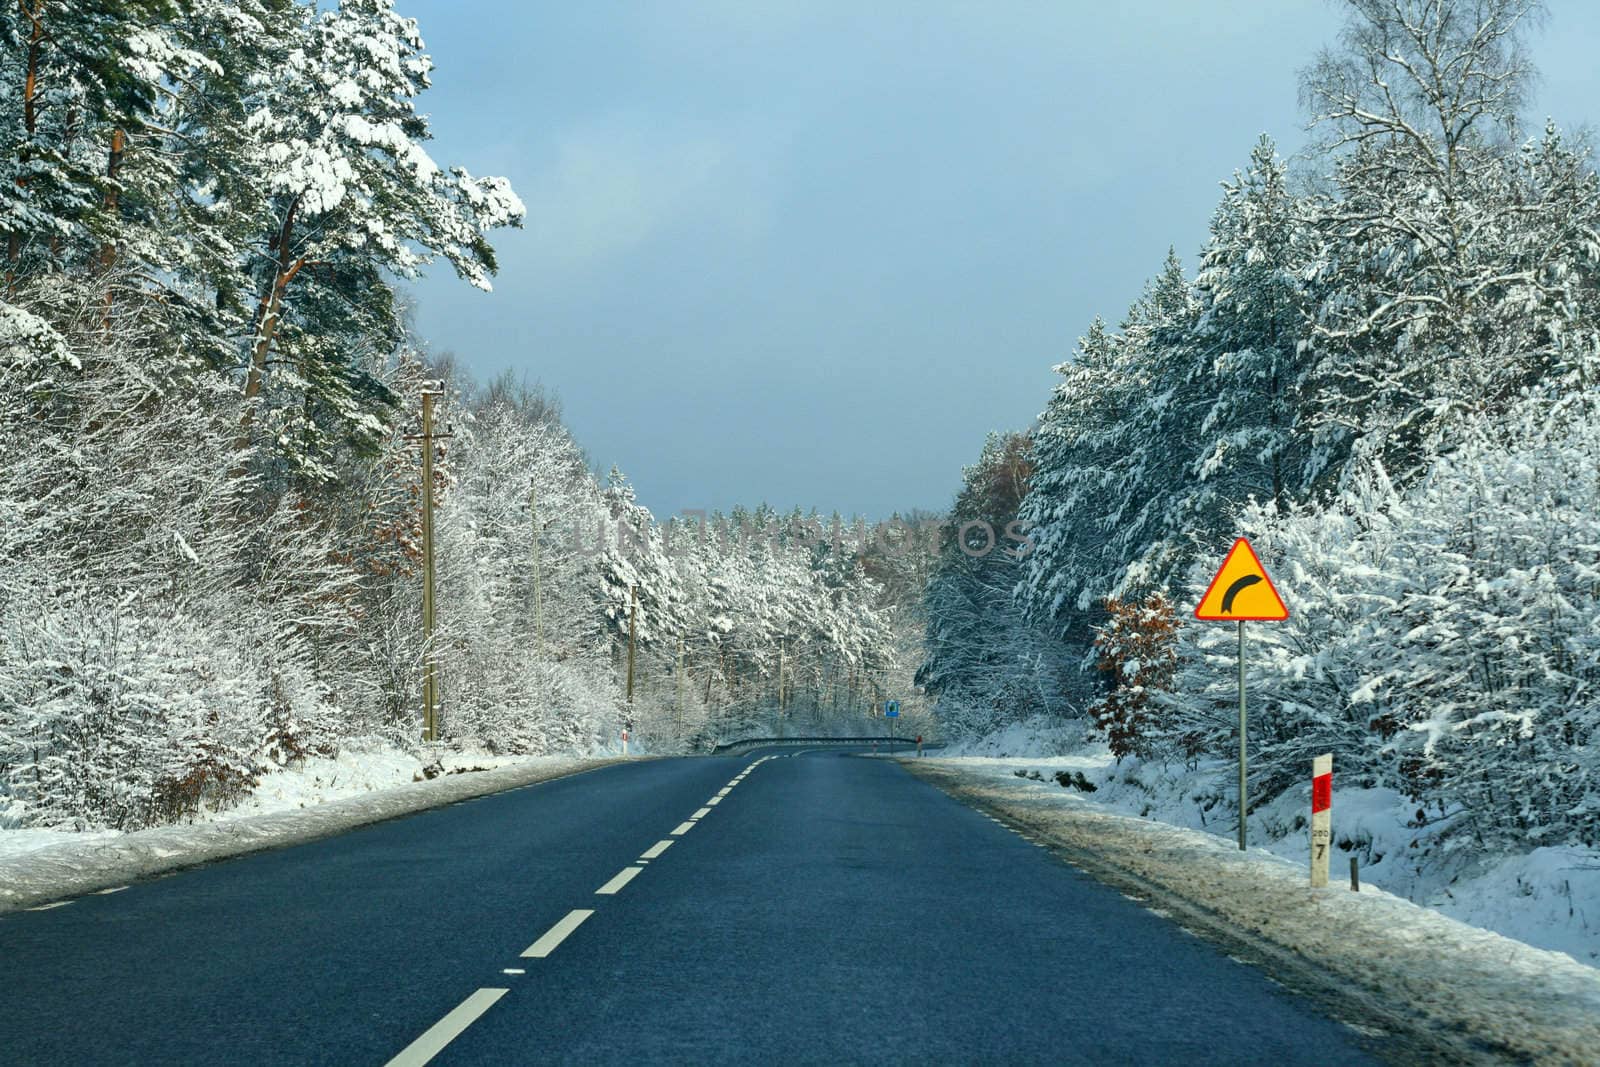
x,y
624,742
1321,818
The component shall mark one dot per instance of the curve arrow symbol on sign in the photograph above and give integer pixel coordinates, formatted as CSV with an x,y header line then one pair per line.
x,y
1236,588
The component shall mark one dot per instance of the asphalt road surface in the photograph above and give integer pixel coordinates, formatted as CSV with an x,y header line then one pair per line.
x,y
806,907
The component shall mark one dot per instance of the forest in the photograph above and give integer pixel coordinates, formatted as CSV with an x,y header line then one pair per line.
x,y
1383,372
210,389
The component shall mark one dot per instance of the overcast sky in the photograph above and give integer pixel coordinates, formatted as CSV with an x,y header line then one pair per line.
x,y
811,252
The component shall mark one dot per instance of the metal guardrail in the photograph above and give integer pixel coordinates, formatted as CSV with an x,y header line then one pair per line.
x,y
751,742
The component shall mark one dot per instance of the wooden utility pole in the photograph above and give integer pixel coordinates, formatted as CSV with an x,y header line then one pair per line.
x,y
780,675
680,685
538,602
430,665
633,613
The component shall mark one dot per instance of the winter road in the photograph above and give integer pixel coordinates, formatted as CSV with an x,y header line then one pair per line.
x,y
812,907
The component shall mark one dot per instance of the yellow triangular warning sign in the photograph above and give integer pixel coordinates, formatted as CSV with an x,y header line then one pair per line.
x,y
1241,591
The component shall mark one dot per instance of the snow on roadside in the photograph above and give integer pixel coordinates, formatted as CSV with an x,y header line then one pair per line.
x,y
1029,737
317,780
317,798
20,842
1541,1003
1548,898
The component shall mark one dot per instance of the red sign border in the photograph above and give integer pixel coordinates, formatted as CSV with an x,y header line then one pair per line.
x,y
1245,541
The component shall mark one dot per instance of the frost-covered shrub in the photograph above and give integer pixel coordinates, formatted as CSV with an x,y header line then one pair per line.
x,y
559,707
162,618
1444,640
1136,648
123,715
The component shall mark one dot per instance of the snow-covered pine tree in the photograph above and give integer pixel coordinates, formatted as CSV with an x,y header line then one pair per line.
x,y
77,77
984,660
1254,312
343,191
1075,483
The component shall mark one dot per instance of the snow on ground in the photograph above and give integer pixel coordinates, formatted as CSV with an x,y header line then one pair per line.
x,y
1548,898
1030,737
1467,981
316,798
19,842
351,773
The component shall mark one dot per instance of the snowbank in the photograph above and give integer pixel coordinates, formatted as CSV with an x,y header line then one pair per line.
x,y
1548,898
319,798
1471,990
1035,734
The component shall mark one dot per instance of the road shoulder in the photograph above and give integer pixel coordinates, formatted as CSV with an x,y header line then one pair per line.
x,y
70,869
1439,990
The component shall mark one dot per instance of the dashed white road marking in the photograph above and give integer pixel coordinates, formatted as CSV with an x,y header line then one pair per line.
x,y
702,813
622,878
714,801
683,828
441,1033
47,907
513,970
725,790
558,933
655,850
108,892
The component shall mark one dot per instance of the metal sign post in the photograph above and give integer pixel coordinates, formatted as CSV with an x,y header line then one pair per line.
x,y
1243,733
1241,592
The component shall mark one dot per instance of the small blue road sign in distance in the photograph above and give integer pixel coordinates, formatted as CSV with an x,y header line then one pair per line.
x,y
891,709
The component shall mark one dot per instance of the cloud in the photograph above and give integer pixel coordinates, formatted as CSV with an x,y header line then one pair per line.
x,y
615,184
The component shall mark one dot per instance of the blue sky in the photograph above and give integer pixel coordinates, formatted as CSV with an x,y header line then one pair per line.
x,y
810,253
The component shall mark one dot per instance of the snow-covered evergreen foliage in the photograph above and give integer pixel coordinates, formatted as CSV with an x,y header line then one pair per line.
x,y
987,664
1385,375
1444,637
210,509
